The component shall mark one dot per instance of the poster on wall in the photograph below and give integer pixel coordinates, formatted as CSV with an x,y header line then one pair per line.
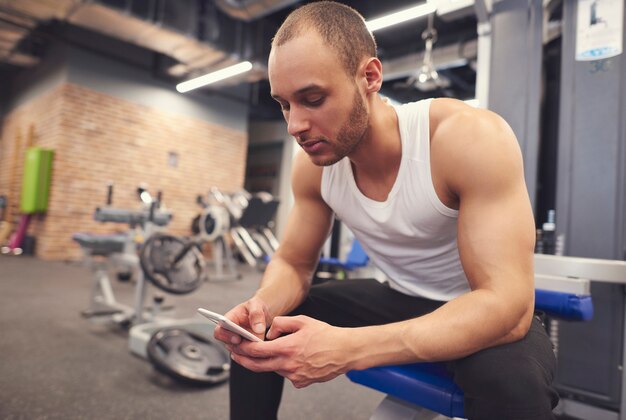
x,y
600,29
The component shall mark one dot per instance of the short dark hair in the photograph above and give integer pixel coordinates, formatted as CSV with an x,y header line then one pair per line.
x,y
340,26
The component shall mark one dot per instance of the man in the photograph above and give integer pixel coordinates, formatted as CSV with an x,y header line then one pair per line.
x,y
435,193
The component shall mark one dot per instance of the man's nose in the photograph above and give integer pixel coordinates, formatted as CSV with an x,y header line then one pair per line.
x,y
297,123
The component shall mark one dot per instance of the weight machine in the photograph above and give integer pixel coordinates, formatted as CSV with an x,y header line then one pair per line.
x,y
104,253
250,216
212,225
180,348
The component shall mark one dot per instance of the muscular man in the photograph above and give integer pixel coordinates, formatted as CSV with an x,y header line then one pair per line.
x,y
435,193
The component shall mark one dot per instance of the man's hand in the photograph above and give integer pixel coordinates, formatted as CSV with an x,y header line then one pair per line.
x,y
300,348
252,315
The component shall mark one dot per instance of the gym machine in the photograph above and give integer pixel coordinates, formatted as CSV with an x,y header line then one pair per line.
x,y
250,219
212,225
117,252
181,348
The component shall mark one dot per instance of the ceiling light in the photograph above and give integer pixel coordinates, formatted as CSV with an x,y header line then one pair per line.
x,y
213,77
401,16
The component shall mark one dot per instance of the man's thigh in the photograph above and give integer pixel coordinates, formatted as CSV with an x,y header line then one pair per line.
x,y
361,302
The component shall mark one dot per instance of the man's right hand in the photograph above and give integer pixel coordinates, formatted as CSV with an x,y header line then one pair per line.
x,y
253,315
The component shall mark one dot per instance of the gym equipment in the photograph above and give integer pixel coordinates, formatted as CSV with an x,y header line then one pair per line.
x,y
334,268
179,348
172,264
255,219
250,217
101,254
188,357
35,191
36,180
106,252
421,390
17,238
212,225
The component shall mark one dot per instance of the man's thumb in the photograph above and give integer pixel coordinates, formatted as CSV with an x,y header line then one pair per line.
x,y
257,318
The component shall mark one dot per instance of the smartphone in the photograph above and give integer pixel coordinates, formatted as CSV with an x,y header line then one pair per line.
x,y
227,324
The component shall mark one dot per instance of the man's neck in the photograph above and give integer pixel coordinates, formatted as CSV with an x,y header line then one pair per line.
x,y
376,160
380,151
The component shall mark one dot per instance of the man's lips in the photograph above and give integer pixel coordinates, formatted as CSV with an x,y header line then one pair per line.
x,y
311,145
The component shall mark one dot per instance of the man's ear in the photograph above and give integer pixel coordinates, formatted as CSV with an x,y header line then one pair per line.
x,y
373,72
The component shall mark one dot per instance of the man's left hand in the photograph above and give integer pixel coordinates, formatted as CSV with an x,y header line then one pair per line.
x,y
300,348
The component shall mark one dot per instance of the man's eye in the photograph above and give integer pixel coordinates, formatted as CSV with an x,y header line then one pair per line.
x,y
315,101
284,107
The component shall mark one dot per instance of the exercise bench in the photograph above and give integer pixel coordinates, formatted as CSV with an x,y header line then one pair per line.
x,y
330,267
427,391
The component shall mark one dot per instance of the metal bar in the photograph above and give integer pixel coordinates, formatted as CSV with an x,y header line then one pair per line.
x,y
573,285
250,243
140,295
243,249
606,271
271,238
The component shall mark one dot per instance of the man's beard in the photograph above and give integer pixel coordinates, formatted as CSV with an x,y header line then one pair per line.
x,y
350,134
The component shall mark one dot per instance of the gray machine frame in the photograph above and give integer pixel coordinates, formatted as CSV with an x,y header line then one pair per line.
x,y
591,219
591,177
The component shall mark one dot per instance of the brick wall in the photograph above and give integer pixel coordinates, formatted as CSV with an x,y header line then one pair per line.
x,y
98,138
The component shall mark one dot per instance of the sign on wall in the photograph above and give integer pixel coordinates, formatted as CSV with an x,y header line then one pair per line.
x,y
600,29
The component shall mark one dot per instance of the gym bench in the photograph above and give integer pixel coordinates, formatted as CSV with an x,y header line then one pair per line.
x,y
427,391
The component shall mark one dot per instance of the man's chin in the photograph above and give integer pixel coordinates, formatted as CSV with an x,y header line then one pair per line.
x,y
324,160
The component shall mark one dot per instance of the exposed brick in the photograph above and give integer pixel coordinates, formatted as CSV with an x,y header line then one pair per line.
x,y
99,138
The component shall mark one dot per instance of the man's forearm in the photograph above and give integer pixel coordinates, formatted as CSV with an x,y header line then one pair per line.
x,y
283,287
461,327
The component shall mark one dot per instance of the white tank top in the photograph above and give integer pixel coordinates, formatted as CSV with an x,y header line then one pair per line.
x,y
412,236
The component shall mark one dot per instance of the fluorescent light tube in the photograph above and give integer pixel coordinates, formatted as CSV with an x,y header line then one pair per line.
x,y
213,77
401,16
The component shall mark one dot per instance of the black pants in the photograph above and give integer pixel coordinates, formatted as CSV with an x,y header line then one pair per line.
x,y
508,382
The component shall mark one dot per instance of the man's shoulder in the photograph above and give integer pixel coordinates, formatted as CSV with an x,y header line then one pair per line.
x,y
470,144
306,176
453,121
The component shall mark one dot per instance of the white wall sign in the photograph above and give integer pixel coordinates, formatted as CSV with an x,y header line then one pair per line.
x,y
600,29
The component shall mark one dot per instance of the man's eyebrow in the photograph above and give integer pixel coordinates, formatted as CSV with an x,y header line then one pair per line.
x,y
309,88
301,91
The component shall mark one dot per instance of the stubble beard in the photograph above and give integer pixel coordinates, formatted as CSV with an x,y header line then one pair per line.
x,y
350,134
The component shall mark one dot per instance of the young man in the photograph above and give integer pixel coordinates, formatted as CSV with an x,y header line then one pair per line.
x,y
435,193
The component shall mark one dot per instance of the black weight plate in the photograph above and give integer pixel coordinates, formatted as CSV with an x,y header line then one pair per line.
x,y
157,258
188,357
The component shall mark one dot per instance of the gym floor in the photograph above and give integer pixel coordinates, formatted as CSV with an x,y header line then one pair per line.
x,y
58,365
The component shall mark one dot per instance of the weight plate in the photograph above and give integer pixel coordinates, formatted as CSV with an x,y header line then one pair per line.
x,y
213,223
158,258
188,357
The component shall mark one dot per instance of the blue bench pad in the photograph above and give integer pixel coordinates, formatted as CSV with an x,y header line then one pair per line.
x,y
427,385
430,385
564,305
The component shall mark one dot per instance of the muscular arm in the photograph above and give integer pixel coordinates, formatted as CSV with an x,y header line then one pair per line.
x,y
288,276
484,173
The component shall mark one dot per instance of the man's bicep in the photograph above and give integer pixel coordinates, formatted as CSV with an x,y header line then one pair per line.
x,y
495,226
496,240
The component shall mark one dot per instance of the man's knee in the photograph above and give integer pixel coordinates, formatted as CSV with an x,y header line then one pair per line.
x,y
514,379
522,382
